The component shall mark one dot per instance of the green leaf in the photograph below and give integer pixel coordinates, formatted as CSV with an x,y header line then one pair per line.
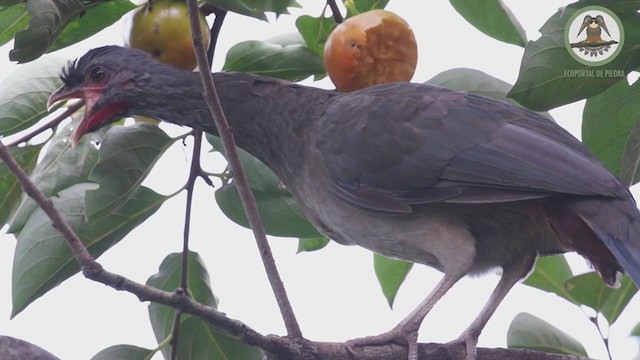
x,y
550,274
636,330
10,189
312,244
91,22
42,257
315,31
127,155
255,8
529,332
355,7
259,176
280,214
476,82
12,20
589,290
391,274
550,77
48,18
128,352
285,57
198,339
24,94
60,167
6,3
493,18
610,124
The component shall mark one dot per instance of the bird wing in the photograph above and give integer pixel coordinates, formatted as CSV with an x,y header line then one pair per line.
x,y
585,23
391,147
600,20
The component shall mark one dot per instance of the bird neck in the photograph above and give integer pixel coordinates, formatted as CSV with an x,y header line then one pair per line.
x,y
270,118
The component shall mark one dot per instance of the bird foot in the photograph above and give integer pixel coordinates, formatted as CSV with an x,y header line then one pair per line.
x,y
470,340
399,335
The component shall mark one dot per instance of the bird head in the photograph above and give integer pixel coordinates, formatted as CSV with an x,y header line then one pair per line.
x,y
107,79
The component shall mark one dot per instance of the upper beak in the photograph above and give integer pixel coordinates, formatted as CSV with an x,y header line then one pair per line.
x,y
63,93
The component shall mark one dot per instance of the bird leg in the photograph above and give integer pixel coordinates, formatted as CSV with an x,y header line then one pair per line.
x,y
406,332
510,276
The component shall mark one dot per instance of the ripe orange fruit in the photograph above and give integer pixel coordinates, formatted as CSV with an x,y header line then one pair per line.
x,y
370,48
161,28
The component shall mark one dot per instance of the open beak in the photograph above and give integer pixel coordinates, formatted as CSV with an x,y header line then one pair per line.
x,y
95,116
61,94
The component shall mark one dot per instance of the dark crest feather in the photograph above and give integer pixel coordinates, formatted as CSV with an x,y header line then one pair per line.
x,y
73,72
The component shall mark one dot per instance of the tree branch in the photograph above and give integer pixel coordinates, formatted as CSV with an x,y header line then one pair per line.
x,y
247,198
50,125
337,16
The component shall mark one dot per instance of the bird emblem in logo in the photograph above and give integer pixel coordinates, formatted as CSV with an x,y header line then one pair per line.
x,y
594,35
593,44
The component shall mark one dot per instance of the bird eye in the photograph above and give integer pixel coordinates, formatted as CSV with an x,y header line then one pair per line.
x,y
97,75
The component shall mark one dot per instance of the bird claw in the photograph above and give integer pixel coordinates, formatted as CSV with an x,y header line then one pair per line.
x,y
398,335
470,342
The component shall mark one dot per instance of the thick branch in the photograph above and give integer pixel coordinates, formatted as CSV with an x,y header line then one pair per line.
x,y
247,198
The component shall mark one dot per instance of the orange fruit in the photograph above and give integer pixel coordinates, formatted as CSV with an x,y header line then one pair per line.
x,y
161,28
370,48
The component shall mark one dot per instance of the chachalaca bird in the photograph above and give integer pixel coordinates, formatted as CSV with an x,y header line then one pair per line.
x,y
456,181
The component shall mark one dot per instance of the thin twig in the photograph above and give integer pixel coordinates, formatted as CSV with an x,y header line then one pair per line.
x,y
335,10
247,198
50,125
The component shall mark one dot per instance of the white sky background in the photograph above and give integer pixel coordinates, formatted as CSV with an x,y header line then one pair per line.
x,y
334,292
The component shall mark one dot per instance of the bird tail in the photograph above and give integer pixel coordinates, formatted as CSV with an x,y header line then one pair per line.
x,y
616,222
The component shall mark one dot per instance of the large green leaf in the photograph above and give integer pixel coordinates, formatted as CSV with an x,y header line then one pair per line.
x,y
259,176
279,212
315,31
10,189
255,8
12,19
197,339
127,155
285,57
476,82
42,257
48,19
312,244
128,352
391,274
610,124
91,22
60,167
493,18
24,94
589,290
6,3
551,274
550,76
529,332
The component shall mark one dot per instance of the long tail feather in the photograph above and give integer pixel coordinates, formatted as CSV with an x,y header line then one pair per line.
x,y
617,223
